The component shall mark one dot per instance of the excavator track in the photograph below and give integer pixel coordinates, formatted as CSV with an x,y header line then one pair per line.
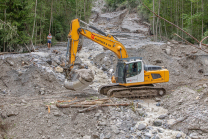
x,y
131,92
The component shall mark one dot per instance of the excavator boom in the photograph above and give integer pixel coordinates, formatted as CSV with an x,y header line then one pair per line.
x,y
106,41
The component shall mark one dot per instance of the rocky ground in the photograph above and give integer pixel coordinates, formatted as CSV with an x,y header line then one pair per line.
x,y
32,83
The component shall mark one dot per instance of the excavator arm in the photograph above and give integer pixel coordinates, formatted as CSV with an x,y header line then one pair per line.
x,y
105,40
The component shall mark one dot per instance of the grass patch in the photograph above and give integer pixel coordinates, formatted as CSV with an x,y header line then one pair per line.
x,y
199,90
133,107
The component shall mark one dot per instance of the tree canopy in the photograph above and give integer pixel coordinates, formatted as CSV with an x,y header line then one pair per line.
x,y
27,22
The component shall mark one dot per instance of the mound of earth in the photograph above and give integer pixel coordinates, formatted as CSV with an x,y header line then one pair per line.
x,y
189,103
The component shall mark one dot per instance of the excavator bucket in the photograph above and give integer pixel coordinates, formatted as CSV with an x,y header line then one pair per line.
x,y
81,79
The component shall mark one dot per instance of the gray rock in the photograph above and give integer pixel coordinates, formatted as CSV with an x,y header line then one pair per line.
x,y
131,137
132,128
157,99
138,134
86,74
35,60
49,62
87,137
149,127
97,114
113,117
42,91
168,51
11,63
206,99
162,116
180,102
154,132
155,137
102,123
141,127
141,113
3,92
157,123
102,136
178,135
107,136
159,130
205,85
10,113
115,129
95,135
128,118
57,114
139,105
158,104
104,68
174,41
90,57
148,135
194,136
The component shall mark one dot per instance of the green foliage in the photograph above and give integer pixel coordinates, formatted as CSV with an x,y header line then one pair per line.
x,y
17,20
205,35
189,15
133,3
114,4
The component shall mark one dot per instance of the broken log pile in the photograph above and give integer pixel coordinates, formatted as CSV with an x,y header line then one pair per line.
x,y
88,105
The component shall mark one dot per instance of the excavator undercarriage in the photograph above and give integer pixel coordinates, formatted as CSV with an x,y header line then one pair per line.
x,y
118,91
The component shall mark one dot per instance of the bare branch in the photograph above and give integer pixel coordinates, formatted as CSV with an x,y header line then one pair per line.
x,y
191,43
171,23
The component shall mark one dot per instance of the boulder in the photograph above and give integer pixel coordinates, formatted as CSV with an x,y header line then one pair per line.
x,y
11,63
59,69
87,137
85,74
178,135
205,85
157,123
162,116
141,127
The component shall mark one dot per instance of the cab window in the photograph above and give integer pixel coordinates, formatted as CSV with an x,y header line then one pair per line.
x,y
139,67
131,70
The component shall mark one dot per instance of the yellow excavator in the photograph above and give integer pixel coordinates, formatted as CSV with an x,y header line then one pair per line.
x,y
132,78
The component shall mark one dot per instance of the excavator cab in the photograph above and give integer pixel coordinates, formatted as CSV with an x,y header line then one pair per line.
x,y
130,70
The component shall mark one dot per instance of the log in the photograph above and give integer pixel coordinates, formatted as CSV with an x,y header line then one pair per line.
x,y
88,109
86,106
2,53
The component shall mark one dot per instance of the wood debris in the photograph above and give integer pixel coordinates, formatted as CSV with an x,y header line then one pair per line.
x,y
2,53
55,51
88,104
49,109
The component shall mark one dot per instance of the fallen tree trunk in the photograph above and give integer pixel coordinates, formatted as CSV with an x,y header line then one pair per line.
x,y
2,53
86,106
